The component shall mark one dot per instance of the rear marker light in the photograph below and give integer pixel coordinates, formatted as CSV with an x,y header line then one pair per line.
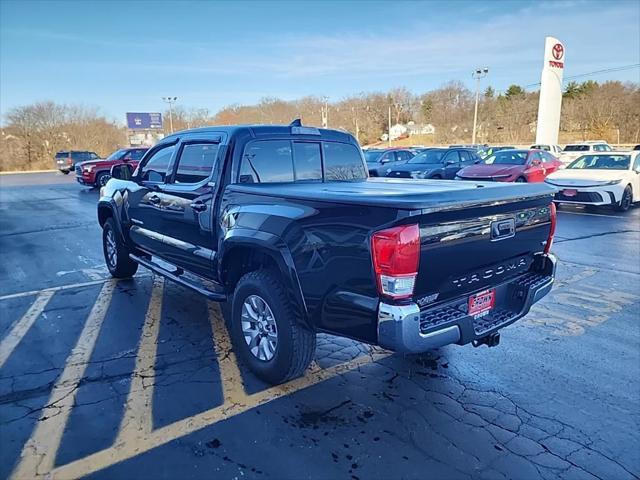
x,y
552,230
396,254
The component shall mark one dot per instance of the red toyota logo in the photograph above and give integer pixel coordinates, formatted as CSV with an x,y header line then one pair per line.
x,y
557,51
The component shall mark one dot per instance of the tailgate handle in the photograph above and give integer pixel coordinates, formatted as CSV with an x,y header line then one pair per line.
x,y
503,229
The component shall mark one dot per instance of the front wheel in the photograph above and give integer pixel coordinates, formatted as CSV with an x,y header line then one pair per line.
x,y
102,179
116,253
521,180
266,333
626,200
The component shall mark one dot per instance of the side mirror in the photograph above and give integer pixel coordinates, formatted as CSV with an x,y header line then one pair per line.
x,y
536,163
122,171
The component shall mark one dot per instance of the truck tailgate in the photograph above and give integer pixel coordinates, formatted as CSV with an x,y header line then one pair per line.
x,y
468,250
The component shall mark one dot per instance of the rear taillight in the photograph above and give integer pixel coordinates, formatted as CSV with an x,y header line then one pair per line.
x,y
396,253
552,230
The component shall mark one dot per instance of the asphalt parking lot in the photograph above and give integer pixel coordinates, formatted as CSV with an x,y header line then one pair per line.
x,y
136,379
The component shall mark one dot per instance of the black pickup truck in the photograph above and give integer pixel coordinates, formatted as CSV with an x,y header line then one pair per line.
x,y
283,224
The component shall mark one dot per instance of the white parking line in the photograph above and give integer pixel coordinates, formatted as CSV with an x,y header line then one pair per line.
x,y
20,328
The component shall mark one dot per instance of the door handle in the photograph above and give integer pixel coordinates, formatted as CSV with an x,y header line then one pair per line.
x,y
155,199
199,206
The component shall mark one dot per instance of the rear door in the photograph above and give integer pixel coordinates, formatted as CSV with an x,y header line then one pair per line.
x,y
187,215
145,201
451,163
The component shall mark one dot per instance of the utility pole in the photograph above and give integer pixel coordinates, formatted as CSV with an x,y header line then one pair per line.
x,y
477,74
170,101
389,130
355,116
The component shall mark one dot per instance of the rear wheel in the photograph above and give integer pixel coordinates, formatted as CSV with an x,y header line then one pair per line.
x,y
64,172
521,180
626,200
266,333
116,253
437,177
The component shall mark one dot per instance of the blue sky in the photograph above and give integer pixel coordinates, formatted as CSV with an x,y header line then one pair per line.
x,y
123,56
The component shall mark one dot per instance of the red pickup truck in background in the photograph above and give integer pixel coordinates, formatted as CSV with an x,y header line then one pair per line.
x,y
96,173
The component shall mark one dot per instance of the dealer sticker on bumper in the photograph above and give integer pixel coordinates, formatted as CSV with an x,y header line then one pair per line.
x,y
481,303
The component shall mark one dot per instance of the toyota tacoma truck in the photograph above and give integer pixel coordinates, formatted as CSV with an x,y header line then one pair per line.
x,y
283,225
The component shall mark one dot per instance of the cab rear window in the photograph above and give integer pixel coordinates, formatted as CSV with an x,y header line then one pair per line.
x,y
270,161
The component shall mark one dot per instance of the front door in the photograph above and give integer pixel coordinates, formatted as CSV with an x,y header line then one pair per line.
x,y
188,217
451,164
145,200
535,169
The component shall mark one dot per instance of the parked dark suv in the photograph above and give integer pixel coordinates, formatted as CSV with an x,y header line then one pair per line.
x,y
66,161
436,163
381,160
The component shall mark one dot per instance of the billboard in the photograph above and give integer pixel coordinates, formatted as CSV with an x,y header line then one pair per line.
x,y
550,93
144,121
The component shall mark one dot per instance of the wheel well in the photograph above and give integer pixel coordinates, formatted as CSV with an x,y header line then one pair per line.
x,y
241,260
103,214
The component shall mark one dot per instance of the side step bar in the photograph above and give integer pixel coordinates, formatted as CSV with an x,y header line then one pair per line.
x,y
173,276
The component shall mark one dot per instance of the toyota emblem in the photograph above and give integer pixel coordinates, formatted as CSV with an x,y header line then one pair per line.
x,y
557,51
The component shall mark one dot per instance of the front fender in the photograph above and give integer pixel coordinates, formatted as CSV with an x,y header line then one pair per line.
x,y
276,248
111,207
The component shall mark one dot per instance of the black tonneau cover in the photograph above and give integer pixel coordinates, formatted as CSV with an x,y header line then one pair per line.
x,y
426,195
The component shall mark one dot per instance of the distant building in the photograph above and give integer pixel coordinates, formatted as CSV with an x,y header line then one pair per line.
x,y
420,129
397,131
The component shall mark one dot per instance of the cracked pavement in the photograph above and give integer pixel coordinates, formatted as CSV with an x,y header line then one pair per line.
x,y
559,398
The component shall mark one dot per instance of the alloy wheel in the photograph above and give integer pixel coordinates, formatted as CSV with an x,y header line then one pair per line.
x,y
112,249
259,328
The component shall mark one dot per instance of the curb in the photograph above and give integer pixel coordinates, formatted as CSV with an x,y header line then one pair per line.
x,y
17,172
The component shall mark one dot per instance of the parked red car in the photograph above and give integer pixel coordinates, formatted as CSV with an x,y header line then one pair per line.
x,y
512,166
96,173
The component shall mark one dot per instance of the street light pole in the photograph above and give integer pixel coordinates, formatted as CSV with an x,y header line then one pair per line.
x,y
477,74
170,101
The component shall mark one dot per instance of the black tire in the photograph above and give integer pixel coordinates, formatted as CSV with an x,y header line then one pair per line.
x,y
64,172
296,344
626,200
437,177
121,266
521,180
101,179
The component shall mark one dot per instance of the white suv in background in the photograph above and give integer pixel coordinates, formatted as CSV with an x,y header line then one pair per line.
x,y
555,150
575,150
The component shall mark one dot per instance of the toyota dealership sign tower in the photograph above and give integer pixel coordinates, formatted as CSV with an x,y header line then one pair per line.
x,y
550,92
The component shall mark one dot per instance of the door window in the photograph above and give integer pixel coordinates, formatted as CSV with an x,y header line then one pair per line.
x,y
636,164
155,169
342,161
403,155
307,161
267,161
196,163
134,154
452,157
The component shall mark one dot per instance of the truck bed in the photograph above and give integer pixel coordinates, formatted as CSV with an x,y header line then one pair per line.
x,y
425,195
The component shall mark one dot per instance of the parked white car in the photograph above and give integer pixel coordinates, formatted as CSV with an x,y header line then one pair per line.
x,y
574,150
555,150
611,178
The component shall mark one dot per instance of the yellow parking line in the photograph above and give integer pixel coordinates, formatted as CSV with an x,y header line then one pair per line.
x,y
19,330
124,451
232,384
138,416
39,453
